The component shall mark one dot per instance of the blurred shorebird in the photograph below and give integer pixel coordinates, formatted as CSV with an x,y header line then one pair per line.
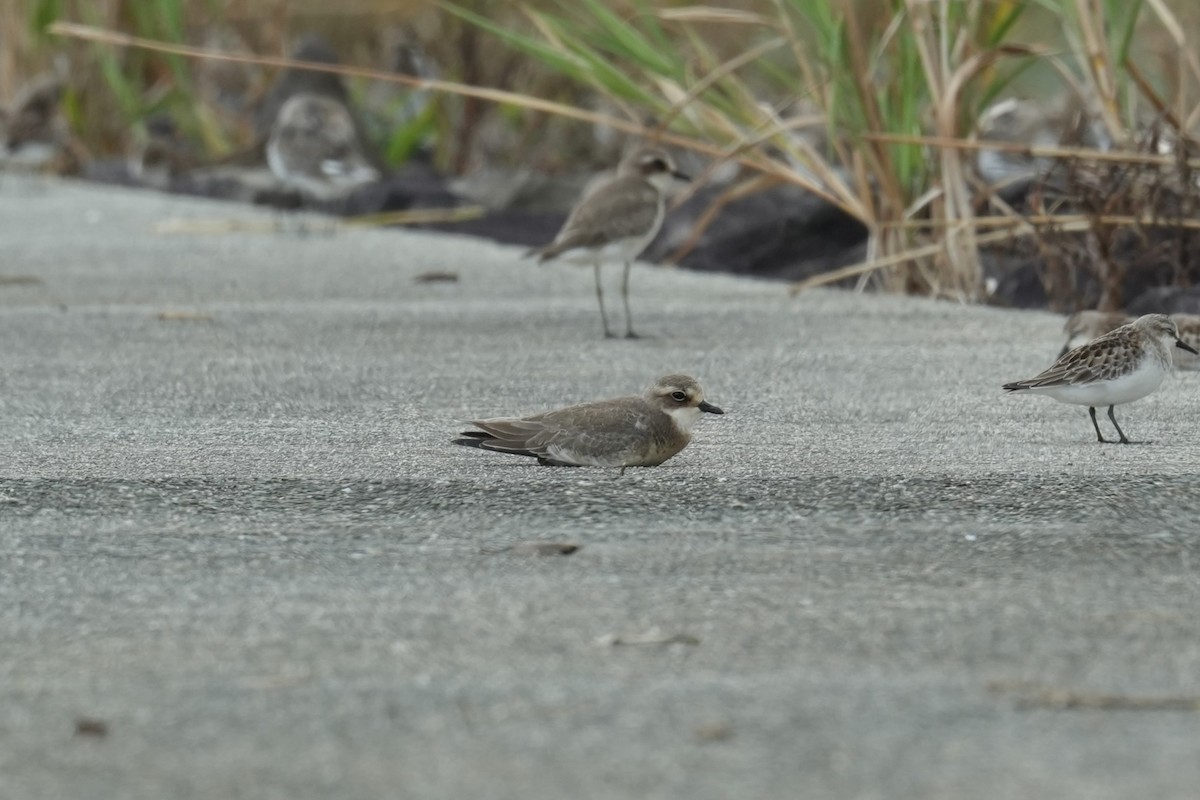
x,y
617,219
33,132
1083,326
314,147
160,155
636,431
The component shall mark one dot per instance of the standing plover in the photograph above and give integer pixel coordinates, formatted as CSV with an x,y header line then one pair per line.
x,y
314,147
1121,366
617,219
636,431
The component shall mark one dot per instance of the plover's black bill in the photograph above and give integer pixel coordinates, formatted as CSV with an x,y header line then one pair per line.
x,y
709,407
1182,345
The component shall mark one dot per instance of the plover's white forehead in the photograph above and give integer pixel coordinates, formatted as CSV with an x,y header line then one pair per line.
x,y
647,161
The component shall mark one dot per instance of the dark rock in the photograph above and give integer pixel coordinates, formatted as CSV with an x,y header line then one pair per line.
x,y
1166,300
1014,278
785,233
525,228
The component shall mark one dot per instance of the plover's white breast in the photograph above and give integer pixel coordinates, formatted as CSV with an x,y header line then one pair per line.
x,y
618,250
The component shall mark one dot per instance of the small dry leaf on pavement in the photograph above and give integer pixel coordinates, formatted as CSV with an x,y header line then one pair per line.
x,y
1034,696
184,316
90,726
648,638
436,276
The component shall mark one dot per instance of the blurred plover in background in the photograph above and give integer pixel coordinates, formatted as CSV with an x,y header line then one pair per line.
x,y
617,219
314,148
33,132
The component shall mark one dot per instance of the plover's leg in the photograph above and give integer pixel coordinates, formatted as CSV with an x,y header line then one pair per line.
x,y
600,299
1099,436
624,295
1115,425
629,333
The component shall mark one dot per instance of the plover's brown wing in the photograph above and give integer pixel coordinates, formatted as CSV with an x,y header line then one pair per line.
x,y
1099,359
623,208
610,433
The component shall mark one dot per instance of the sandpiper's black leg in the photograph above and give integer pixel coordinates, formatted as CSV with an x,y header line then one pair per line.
x,y
600,299
1096,425
1115,425
629,333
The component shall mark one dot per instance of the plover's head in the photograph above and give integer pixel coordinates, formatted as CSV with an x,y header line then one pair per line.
x,y
655,165
681,397
1163,328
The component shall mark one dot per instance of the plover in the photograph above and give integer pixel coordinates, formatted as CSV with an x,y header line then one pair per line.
x,y
33,131
160,155
1119,367
618,219
636,431
314,147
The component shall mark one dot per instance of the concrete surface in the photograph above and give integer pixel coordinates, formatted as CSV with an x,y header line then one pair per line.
x,y
237,539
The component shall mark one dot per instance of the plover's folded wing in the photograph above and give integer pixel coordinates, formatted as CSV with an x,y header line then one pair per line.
x,y
621,209
605,434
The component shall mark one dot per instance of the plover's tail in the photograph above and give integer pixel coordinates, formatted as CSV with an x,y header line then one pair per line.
x,y
486,441
1016,386
543,254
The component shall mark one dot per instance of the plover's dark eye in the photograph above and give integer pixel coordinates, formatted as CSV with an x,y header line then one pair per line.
x,y
678,397
658,165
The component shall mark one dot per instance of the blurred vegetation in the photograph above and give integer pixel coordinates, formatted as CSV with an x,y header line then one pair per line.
x,y
873,104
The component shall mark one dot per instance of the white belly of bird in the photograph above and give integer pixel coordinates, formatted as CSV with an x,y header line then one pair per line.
x,y
617,252
1129,387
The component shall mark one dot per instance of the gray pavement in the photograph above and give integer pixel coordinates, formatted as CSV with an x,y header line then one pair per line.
x,y
239,538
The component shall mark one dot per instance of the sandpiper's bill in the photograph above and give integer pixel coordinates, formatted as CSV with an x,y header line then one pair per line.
x,y
617,219
314,147
1189,332
1119,367
636,431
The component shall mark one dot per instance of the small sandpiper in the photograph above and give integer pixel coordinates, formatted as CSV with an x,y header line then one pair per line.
x,y
1119,367
617,219
314,147
636,431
